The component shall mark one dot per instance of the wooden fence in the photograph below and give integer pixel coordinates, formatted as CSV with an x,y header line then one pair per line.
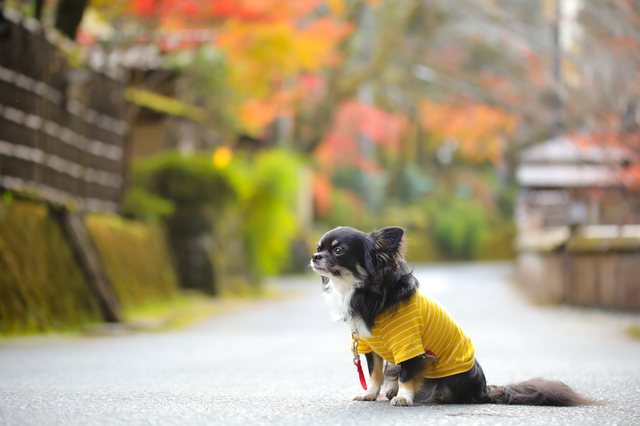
x,y
62,129
583,270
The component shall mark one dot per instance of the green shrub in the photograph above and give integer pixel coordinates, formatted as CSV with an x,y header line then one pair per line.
x,y
195,190
191,184
499,244
459,226
247,210
142,205
421,247
269,209
347,209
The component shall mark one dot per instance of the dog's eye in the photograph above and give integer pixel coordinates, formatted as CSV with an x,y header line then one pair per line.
x,y
338,250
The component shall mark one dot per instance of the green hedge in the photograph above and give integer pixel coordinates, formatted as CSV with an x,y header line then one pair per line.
x,y
41,285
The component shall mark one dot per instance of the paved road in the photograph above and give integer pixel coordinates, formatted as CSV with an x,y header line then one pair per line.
x,y
283,362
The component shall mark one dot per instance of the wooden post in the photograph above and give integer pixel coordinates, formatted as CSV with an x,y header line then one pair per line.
x,y
91,265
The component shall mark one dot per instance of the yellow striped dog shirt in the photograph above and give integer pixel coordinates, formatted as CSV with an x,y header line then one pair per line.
x,y
417,326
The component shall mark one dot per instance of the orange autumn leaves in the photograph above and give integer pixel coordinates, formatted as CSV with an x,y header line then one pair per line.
x,y
267,59
480,129
276,52
269,44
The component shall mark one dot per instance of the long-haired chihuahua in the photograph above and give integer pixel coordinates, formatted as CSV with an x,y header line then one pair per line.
x,y
429,358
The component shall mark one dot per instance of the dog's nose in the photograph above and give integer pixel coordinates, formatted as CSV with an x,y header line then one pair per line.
x,y
317,257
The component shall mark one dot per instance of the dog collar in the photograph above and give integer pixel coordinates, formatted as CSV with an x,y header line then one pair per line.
x,y
356,359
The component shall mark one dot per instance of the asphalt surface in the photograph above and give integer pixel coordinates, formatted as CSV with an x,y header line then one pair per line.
x,y
284,362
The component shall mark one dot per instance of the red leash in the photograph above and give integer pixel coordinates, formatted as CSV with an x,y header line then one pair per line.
x,y
356,359
363,382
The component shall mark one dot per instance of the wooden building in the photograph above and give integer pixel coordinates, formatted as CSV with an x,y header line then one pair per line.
x,y
578,226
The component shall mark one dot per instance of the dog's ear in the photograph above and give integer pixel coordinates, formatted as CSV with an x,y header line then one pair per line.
x,y
369,266
388,241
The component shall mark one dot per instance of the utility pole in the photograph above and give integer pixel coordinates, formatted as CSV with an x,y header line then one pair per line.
x,y
556,122
365,90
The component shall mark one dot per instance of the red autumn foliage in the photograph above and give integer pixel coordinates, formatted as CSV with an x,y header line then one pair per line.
x,y
244,10
352,120
322,190
608,135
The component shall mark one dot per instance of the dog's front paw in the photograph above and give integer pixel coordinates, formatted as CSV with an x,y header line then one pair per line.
x,y
390,393
401,401
366,396
404,398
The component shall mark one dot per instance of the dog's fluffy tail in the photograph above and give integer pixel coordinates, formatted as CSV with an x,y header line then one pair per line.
x,y
538,392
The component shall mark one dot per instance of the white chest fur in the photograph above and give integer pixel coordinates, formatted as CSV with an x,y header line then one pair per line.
x,y
338,296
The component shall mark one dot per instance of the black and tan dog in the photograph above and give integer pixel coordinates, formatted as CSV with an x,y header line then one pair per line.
x,y
429,357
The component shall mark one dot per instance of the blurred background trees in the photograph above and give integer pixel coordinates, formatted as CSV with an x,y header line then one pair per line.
x,y
373,112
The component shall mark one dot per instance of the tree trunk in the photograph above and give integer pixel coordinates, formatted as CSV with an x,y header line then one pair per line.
x,y
69,15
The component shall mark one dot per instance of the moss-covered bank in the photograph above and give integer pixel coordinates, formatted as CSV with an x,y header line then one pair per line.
x,y
41,285
135,257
